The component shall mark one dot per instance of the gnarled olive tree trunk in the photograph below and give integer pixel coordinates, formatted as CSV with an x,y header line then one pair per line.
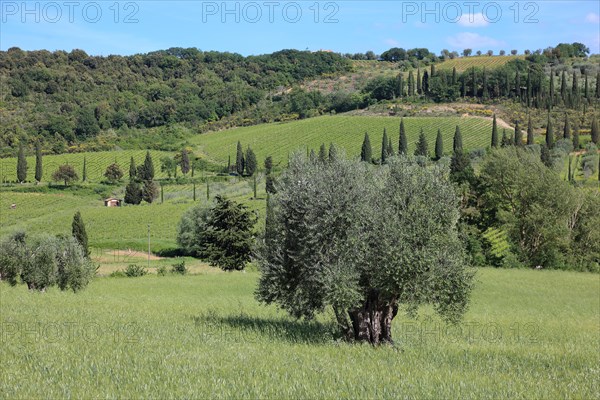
x,y
371,323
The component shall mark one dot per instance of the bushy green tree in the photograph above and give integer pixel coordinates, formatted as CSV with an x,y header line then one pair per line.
x,y
133,193
150,191
364,242
113,173
184,162
223,234
65,173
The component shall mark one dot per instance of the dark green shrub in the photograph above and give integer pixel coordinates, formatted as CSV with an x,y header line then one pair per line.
x,y
134,270
161,271
179,268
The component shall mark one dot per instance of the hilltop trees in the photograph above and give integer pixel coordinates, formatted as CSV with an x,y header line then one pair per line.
x,y
323,245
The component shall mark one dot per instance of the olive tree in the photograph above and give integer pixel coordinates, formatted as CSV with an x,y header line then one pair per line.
x,y
364,241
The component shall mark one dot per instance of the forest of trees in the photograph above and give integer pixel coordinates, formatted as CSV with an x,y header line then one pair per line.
x,y
71,96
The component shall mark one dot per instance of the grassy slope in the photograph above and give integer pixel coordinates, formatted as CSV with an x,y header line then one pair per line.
x,y
528,334
114,228
346,132
464,63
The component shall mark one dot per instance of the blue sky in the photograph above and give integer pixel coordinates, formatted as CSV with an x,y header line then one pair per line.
x,y
257,27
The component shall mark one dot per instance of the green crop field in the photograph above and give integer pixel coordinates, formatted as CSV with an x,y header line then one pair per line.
x,y
528,334
464,63
96,163
346,132
116,228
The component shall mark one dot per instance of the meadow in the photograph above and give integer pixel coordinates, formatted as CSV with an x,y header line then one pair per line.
x,y
528,334
484,61
346,132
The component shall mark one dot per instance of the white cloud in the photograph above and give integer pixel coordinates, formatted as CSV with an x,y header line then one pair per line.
x,y
465,40
392,42
473,20
592,18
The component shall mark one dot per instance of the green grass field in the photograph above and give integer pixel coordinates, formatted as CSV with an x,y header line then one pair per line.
x,y
346,132
96,163
528,334
464,63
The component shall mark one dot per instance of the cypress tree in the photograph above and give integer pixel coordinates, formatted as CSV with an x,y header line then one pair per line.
x,y
567,128
598,85
485,85
21,165
162,194
133,193
530,139
403,142
207,190
518,84
461,170
563,87
366,151
84,174
400,85
312,156
322,153
185,162
575,88
251,162
518,134
545,156
150,191
38,163
494,133
453,81
384,147
332,153
586,88
79,233
549,134
575,136
193,191
458,144
506,140
254,187
229,163
239,160
594,132
474,82
148,168
422,147
390,148
551,87
419,87
132,169
411,84
425,82
439,145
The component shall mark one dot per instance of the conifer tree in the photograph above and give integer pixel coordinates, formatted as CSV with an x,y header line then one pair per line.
x,y
485,85
506,140
594,131
21,164
598,85
425,82
38,163
551,88
419,87
132,169
586,88
453,81
575,136
549,134
494,133
545,156
422,147
184,162
458,144
530,139
384,147
474,82
133,192
251,162
79,233
575,87
439,145
84,174
332,153
366,151
411,84
312,156
563,87
239,160
150,191
148,170
390,148
567,128
518,134
323,153
403,142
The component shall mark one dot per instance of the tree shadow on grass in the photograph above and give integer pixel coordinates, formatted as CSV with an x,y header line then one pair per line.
x,y
246,328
